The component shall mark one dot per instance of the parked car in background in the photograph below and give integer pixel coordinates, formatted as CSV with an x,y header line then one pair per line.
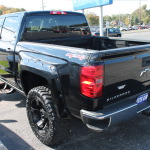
x,y
112,32
134,27
124,29
141,27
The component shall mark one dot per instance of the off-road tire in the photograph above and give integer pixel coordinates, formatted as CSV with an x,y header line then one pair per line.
x,y
57,128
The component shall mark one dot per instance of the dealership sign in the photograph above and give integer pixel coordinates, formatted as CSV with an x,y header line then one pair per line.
x,y
83,4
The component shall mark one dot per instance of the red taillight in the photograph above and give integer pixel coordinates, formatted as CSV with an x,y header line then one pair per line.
x,y
58,13
91,81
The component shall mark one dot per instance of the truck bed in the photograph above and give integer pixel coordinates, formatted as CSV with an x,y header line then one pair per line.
x,y
95,43
124,60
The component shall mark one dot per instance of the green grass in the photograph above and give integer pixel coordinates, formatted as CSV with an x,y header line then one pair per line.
x,y
5,64
3,72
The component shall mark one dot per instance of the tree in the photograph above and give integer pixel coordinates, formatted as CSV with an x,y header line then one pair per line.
x,y
142,15
92,19
134,20
139,16
6,10
105,19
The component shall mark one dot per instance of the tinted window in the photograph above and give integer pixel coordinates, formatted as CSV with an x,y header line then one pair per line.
x,y
111,29
117,29
55,26
10,27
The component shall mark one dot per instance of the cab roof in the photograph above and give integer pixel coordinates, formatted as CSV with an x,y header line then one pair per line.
x,y
37,13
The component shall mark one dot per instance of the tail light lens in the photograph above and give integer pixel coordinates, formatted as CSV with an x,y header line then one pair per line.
x,y
91,81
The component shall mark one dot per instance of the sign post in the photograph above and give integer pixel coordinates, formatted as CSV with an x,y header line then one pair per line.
x,y
107,26
101,21
84,4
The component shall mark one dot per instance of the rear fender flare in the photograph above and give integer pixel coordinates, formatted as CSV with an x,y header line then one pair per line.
x,y
50,73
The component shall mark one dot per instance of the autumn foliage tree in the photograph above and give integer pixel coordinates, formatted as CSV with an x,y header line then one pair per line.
x,y
142,15
7,10
139,16
93,19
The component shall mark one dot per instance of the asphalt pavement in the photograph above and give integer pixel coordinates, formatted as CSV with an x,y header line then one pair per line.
x,y
137,34
16,134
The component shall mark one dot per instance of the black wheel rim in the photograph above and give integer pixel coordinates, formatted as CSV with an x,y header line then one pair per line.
x,y
39,116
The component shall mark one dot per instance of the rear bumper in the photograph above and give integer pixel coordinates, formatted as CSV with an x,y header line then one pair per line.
x,y
114,113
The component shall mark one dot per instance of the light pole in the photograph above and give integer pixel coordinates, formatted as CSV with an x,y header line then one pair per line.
x,y
101,21
43,5
140,11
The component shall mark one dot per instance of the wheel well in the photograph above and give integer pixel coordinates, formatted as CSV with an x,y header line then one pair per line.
x,y
31,80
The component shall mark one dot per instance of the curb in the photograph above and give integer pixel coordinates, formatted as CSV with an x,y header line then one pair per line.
x,y
2,147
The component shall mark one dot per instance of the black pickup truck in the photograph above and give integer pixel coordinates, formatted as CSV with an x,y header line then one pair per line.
x,y
51,57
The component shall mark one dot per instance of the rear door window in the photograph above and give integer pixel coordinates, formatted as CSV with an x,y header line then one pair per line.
x,y
1,23
10,28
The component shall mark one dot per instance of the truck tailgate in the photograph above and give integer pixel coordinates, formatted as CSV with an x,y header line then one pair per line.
x,y
127,72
